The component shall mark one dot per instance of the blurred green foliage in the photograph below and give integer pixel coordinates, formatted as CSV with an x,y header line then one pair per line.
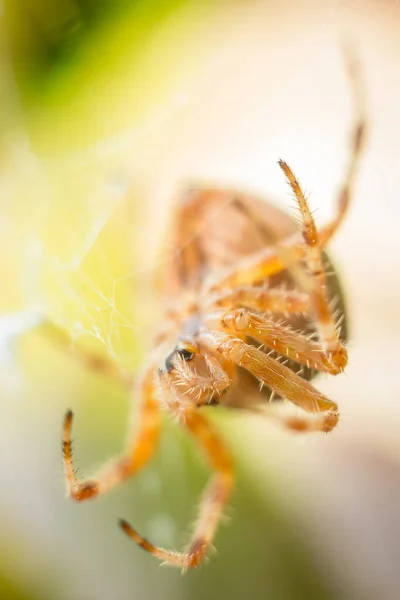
x,y
47,37
12,591
87,69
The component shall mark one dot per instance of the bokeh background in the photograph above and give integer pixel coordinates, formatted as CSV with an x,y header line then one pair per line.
x,y
108,110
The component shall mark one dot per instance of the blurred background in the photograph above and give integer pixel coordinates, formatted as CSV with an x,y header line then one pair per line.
x,y
109,108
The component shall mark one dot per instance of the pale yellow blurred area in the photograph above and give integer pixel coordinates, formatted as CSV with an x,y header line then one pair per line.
x,y
86,242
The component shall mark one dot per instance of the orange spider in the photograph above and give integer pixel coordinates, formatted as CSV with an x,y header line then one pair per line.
x,y
240,267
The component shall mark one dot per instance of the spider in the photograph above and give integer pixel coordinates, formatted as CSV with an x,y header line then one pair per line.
x,y
241,267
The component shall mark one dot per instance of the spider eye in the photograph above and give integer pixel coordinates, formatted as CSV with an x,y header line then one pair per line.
x,y
182,352
185,354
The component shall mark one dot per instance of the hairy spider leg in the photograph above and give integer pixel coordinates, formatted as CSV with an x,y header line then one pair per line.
x,y
216,494
281,338
141,446
272,261
335,351
275,375
358,138
274,300
202,389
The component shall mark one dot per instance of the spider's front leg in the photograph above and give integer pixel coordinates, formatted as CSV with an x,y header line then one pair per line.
x,y
140,449
279,378
202,389
216,494
282,339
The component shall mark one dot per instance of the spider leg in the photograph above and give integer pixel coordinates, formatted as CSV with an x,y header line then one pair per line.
x,y
217,492
357,146
202,388
278,377
259,266
98,363
316,281
274,260
300,422
92,361
274,300
281,338
266,263
140,449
